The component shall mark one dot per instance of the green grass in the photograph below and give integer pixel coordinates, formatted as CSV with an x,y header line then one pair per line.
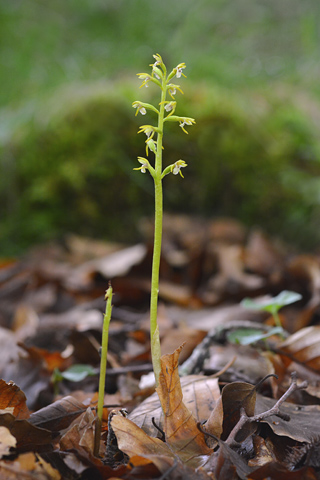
x,y
47,44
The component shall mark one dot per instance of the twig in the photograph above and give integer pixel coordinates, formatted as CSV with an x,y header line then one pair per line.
x,y
163,435
194,364
146,367
275,410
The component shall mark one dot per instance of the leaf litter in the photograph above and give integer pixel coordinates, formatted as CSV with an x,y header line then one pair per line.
x,y
212,416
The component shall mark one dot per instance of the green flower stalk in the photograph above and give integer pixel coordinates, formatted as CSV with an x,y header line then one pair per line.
x,y
154,143
103,367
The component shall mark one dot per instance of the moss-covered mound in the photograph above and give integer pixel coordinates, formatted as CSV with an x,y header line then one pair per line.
x,y
248,156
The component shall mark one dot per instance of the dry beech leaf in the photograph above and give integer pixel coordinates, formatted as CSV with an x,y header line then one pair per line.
x,y
172,339
179,294
149,465
28,436
232,271
304,347
58,415
235,396
228,464
116,264
262,256
8,347
81,434
179,425
276,471
306,270
263,453
28,466
49,360
226,413
200,394
164,464
181,433
249,362
11,396
214,424
132,440
304,423
7,441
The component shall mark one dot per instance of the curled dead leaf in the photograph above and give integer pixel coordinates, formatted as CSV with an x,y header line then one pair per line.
x,y
180,426
303,347
200,394
58,415
11,396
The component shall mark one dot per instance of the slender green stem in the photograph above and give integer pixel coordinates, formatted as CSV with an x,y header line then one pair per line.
x,y
278,322
160,78
154,330
277,318
103,367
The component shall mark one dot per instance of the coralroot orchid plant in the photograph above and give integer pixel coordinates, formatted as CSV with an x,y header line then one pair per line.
x,y
154,144
165,113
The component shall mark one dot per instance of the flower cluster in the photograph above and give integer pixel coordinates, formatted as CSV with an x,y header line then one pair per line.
x,y
165,113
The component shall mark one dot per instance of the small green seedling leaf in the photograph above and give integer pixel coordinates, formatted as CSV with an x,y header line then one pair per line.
x,y
272,304
247,336
76,373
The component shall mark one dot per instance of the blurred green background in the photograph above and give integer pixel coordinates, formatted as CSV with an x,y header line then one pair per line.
x,y
68,138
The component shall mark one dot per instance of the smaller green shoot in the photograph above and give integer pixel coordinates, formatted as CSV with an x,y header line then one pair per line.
x,y
76,373
273,305
103,368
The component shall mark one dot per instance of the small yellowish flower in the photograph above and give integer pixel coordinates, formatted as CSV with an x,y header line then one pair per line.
x,y
186,121
149,130
158,59
179,69
173,90
176,167
140,108
151,145
145,77
144,165
170,106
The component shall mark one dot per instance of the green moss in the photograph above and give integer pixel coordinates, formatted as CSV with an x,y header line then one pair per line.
x,y
251,162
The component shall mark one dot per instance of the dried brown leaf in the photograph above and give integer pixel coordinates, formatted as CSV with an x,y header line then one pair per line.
x,y
7,441
29,437
115,264
304,423
132,440
28,466
12,397
81,434
263,453
49,360
235,396
172,339
58,415
228,464
262,256
278,472
304,347
249,365
181,433
9,349
180,426
200,394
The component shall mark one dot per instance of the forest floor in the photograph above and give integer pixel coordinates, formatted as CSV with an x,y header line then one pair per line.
x,y
238,396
